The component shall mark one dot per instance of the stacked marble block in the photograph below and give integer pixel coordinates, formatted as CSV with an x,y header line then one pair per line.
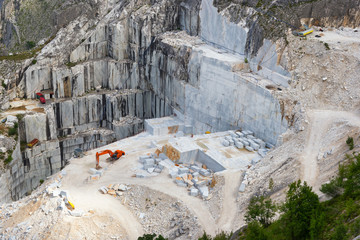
x,y
196,179
247,140
152,164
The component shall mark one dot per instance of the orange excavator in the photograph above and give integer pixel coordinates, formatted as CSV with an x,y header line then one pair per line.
x,y
113,156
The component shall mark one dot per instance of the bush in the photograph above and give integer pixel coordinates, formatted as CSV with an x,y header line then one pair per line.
x,y
246,60
9,158
30,45
327,46
350,143
12,131
20,116
34,61
41,181
3,84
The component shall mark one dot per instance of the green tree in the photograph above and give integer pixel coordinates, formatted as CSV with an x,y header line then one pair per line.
x,y
260,209
300,210
255,231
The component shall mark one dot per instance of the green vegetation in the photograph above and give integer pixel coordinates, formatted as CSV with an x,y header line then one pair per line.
x,y
246,60
3,84
9,158
271,184
71,64
33,62
20,116
30,45
302,216
220,236
327,46
14,130
23,145
41,181
26,54
151,237
350,143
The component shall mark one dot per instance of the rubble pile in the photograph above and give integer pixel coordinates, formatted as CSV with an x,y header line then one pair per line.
x,y
160,213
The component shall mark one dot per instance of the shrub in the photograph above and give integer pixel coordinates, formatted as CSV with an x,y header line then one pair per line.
x,y
12,131
20,116
30,45
41,181
3,84
326,46
246,60
350,143
34,61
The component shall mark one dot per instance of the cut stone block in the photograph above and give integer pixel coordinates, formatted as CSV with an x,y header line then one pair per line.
x,y
250,137
195,168
94,177
104,190
242,187
162,156
255,146
225,143
205,172
228,138
160,166
232,134
122,187
183,170
149,161
194,192
247,132
147,166
143,158
150,170
240,134
204,191
76,213
231,142
249,148
255,160
246,143
92,171
239,145
195,174
158,170
139,175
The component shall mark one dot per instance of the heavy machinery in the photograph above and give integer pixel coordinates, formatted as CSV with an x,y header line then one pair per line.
x,y
113,156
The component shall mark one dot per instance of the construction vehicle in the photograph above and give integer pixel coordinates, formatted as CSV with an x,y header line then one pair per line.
x,y
33,143
113,156
303,31
41,97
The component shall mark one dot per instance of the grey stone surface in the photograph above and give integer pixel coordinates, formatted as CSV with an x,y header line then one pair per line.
x,y
242,187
